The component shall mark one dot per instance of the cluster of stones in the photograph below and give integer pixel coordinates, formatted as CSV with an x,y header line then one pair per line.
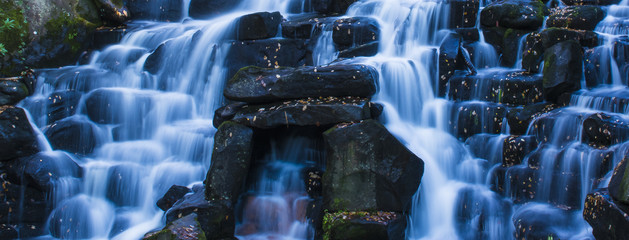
x,y
27,175
531,100
274,88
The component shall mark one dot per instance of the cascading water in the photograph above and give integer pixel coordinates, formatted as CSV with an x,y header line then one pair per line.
x,y
152,97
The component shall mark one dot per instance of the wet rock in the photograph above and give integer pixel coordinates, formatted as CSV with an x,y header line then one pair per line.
x,y
226,113
522,183
255,85
520,118
22,204
106,36
61,104
123,182
558,122
259,25
563,67
267,53
597,66
609,219
17,137
535,221
365,50
463,13
469,118
231,159
312,181
470,34
299,28
215,217
74,134
79,78
604,130
12,91
576,17
515,149
508,87
355,31
332,6
185,228
590,2
619,183
449,60
305,112
163,10
113,12
537,43
368,169
620,53
202,9
364,225
517,14
174,193
42,170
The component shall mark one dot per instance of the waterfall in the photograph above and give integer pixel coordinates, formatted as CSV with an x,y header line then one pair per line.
x,y
146,105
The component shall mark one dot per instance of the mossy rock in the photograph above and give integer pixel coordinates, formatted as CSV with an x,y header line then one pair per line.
x,y
576,17
40,34
517,14
345,225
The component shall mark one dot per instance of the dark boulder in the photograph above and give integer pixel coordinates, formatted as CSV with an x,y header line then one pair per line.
x,y
609,219
304,27
364,225
517,14
590,2
537,43
470,34
469,118
17,137
368,169
463,13
215,217
355,31
516,148
231,159
112,12
605,130
174,193
202,9
255,85
619,183
42,170
365,50
74,134
563,67
306,112
161,10
332,6
497,176
576,17
620,53
312,180
185,228
226,113
259,25
61,104
266,53
12,91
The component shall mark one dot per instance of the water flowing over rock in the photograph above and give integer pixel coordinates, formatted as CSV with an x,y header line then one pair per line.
x,y
355,31
608,219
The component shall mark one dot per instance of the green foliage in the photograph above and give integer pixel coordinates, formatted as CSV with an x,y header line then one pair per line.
x,y
13,28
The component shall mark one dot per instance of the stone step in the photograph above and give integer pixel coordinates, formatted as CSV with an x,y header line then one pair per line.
x,y
511,88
